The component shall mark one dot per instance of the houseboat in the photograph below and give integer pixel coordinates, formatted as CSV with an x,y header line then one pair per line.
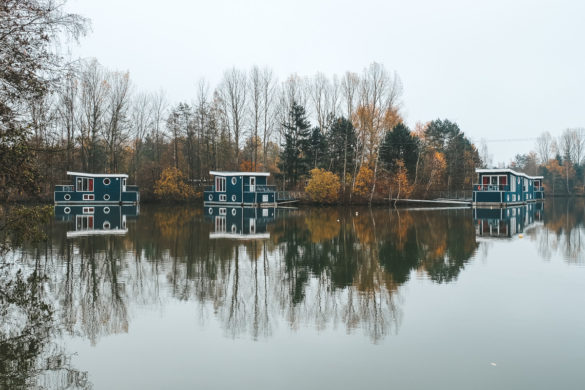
x,y
239,223
94,220
504,187
240,189
96,188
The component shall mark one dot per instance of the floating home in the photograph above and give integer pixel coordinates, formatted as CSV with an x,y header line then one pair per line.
x,y
96,220
239,223
504,187
96,188
240,189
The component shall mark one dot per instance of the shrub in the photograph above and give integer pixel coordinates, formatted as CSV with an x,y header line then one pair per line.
x,y
323,186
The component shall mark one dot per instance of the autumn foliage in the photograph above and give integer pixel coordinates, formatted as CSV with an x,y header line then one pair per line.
x,y
323,187
173,185
363,182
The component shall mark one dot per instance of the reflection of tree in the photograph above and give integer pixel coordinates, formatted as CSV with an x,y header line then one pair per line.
x,y
319,266
29,356
563,229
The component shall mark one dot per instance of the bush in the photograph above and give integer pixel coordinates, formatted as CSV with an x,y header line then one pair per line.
x,y
323,187
173,185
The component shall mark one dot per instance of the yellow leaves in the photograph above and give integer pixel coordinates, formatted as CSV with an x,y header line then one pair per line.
x,y
248,166
173,185
400,182
363,181
323,187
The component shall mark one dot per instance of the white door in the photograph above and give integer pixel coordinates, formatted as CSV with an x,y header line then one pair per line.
x,y
123,185
252,184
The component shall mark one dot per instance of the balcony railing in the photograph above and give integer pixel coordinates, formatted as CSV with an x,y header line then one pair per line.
x,y
491,187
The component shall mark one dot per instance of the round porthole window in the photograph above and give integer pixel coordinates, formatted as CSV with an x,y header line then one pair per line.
x,y
66,210
106,210
233,198
106,197
234,180
210,211
67,196
106,225
234,228
234,212
210,197
107,181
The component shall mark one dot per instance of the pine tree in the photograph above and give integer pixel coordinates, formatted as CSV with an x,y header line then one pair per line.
x,y
342,142
294,162
399,144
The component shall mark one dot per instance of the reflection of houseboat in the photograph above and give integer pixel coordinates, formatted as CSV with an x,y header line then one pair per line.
x,y
506,222
506,187
241,189
242,223
90,220
94,188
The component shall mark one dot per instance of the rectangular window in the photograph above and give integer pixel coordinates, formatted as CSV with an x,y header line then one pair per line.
x,y
265,212
503,180
222,197
220,224
220,184
264,198
485,180
88,197
84,184
88,210
84,222
222,211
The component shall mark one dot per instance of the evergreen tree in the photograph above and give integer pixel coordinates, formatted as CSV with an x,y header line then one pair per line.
x,y
341,142
400,144
294,162
317,149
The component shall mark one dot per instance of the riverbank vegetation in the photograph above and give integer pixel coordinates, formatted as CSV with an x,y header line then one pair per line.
x,y
59,116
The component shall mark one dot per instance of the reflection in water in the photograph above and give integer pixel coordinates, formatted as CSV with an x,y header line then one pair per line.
x,y
251,270
508,221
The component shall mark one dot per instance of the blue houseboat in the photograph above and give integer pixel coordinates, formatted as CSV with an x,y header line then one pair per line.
x,y
95,188
92,220
502,187
240,223
240,189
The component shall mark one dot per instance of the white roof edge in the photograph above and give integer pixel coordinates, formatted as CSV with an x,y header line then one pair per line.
x,y
96,174
239,236
226,173
96,232
508,170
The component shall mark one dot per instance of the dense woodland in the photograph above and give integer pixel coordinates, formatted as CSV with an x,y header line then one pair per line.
x,y
340,138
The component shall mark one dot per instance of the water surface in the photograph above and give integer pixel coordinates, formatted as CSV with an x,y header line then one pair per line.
x,y
187,297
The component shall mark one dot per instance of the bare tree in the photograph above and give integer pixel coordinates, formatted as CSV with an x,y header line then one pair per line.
x,y
544,147
268,91
114,129
349,88
255,81
93,105
232,91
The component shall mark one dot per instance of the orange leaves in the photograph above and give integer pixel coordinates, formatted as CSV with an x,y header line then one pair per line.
x,y
363,181
173,185
323,186
248,166
400,181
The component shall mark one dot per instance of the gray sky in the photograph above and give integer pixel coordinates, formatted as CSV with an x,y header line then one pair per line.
x,y
503,70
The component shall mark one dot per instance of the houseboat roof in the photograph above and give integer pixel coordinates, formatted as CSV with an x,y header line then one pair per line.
x,y
221,173
507,170
97,174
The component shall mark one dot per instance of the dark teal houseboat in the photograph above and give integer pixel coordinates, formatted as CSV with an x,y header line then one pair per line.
x,y
240,189
92,220
502,187
239,223
96,188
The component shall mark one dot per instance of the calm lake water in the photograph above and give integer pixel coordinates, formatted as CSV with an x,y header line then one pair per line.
x,y
187,297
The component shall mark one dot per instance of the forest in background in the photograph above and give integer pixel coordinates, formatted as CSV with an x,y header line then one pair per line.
x,y
340,138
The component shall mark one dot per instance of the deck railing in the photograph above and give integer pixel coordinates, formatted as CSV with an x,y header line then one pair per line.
x,y
491,187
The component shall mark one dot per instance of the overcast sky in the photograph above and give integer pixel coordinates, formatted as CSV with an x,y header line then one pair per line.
x,y
505,71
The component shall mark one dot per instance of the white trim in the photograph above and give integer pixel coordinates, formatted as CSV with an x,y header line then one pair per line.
x,y
507,170
219,173
98,232
96,174
257,236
